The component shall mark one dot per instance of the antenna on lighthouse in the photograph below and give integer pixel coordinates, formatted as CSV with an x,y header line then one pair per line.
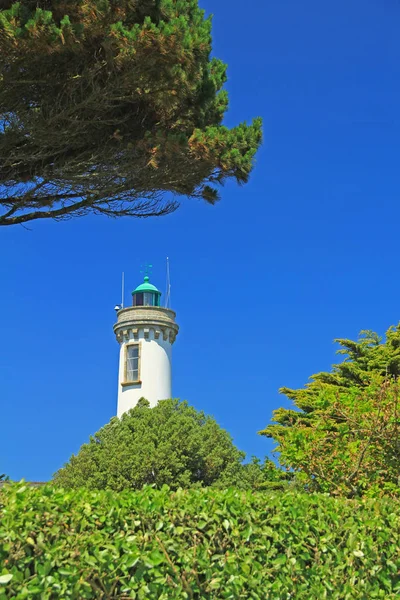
x,y
168,287
118,307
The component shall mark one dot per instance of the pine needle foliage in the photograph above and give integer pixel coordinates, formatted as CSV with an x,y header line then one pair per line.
x,y
343,434
112,107
171,444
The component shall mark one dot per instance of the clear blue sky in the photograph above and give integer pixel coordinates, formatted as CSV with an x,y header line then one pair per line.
x,y
261,283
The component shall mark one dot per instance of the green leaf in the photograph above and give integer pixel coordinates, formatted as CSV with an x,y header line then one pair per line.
x,y
280,560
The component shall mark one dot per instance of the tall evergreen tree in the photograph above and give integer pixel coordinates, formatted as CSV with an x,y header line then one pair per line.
x,y
364,358
112,107
343,434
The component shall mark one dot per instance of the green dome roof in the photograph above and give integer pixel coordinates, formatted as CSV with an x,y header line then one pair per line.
x,y
146,286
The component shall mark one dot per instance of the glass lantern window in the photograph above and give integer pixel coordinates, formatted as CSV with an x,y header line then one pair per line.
x,y
148,299
138,299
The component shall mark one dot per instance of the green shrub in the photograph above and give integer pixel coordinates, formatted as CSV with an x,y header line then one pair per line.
x,y
200,543
170,444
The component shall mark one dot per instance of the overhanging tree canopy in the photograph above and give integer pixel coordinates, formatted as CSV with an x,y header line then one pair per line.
x,y
112,107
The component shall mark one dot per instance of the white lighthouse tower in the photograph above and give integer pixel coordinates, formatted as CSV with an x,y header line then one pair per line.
x,y
145,332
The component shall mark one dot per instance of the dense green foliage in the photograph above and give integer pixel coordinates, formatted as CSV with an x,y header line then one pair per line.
x,y
171,444
195,544
257,475
345,437
112,107
363,359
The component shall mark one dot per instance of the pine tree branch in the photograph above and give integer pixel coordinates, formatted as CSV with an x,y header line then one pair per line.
x,y
53,214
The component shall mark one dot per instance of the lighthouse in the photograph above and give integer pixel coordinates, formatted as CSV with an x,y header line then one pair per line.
x,y
145,332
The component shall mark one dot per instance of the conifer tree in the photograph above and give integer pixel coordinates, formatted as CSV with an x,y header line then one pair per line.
x,y
364,358
170,444
112,107
343,435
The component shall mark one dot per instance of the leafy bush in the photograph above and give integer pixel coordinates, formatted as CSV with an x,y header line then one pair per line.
x,y
350,446
196,544
257,476
171,444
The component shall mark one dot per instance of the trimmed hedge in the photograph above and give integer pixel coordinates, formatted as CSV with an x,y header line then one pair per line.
x,y
57,544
